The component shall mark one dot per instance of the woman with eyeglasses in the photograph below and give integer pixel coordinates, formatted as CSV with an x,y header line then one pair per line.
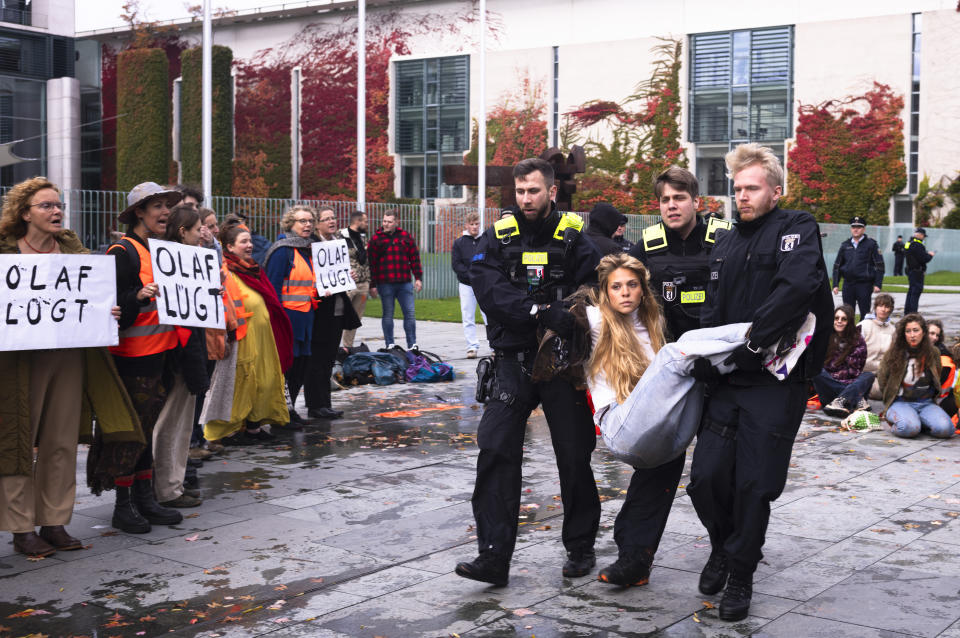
x,y
47,393
842,384
289,268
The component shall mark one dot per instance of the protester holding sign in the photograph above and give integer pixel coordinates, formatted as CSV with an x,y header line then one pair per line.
x,y
186,366
142,352
334,314
49,397
288,268
247,385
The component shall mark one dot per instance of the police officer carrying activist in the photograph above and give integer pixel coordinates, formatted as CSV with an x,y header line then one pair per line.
x,y
916,255
768,270
677,254
860,266
524,265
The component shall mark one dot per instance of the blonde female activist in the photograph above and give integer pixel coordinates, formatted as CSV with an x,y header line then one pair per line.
x,y
49,397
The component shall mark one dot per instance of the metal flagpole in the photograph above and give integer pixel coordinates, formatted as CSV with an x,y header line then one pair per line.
x,y
361,104
482,132
206,115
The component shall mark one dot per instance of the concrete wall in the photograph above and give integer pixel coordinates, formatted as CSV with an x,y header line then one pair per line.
x,y
940,95
63,138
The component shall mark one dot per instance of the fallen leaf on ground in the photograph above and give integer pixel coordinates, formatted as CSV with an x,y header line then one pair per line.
x,y
316,580
695,617
523,612
190,539
708,604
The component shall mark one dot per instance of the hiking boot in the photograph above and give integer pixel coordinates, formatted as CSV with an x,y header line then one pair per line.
x,y
32,545
487,568
579,563
626,572
735,604
863,404
57,536
126,517
146,502
837,407
714,574
184,500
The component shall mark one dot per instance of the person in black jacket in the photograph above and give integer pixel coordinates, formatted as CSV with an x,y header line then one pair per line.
x,y
525,265
768,270
604,222
464,248
898,256
860,266
916,256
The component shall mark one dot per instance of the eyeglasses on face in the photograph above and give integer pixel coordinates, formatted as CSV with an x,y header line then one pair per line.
x,y
49,206
304,220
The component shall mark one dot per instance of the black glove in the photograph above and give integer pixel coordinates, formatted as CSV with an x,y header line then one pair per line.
x,y
705,372
557,318
745,359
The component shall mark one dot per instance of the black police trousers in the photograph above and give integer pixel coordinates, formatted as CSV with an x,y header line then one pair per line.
x,y
643,516
858,294
496,495
740,464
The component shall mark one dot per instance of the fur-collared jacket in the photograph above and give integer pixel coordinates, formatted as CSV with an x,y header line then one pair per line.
x,y
567,358
118,434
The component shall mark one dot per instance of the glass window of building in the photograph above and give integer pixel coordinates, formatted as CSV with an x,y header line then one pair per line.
x,y
741,88
432,123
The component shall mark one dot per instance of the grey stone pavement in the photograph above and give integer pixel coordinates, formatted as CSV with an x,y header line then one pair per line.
x,y
353,528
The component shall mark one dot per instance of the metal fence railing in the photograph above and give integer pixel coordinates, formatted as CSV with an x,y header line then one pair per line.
x,y
93,216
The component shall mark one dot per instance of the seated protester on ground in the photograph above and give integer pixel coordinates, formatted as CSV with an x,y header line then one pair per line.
x,y
264,350
935,332
186,374
842,383
615,332
41,418
877,330
910,379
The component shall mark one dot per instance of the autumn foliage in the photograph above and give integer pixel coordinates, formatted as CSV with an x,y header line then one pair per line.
x,y
848,158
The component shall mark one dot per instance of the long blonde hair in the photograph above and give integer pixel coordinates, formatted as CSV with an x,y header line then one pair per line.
x,y
617,352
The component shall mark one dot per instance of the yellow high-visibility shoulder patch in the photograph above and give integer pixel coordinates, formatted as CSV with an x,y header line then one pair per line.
x,y
654,237
506,227
568,220
713,225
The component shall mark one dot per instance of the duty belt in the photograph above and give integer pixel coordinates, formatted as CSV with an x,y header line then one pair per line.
x,y
518,355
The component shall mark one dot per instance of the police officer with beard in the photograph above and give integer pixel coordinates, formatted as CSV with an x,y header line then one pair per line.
x,y
523,267
768,270
676,252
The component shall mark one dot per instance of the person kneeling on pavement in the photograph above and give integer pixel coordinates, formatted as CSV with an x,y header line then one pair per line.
x,y
842,384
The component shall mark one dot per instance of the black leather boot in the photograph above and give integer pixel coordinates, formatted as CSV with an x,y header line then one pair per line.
x,y
126,518
714,574
627,571
487,568
579,563
735,604
146,503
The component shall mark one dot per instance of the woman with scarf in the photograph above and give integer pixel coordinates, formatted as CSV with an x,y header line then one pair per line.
x,y
910,380
50,397
289,268
842,383
247,387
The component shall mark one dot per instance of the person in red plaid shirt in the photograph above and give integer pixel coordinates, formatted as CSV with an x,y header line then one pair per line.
x,y
394,257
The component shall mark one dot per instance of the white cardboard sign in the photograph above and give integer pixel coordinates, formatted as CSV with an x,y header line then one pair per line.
x,y
57,301
189,282
331,267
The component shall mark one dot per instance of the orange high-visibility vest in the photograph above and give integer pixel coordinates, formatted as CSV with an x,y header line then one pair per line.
x,y
146,336
233,295
299,290
947,363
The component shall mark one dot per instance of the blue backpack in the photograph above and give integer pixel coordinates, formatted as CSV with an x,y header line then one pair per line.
x,y
359,367
426,367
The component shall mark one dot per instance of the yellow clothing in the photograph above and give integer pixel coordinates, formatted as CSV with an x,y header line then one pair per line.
x,y
258,390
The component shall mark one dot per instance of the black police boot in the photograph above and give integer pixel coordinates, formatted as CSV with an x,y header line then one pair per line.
x,y
579,563
735,604
627,571
714,574
487,568
126,518
146,503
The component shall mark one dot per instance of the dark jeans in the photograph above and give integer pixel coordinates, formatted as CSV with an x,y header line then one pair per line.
x,y
496,494
858,293
404,294
829,388
740,464
915,278
898,265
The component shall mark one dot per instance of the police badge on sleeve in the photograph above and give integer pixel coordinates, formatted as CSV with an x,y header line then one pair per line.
x,y
789,242
669,291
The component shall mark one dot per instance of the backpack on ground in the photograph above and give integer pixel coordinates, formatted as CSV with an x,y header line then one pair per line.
x,y
372,367
426,367
343,353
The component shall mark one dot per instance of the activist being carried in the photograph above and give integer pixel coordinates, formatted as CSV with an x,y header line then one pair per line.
x,y
289,268
50,397
247,385
186,372
334,315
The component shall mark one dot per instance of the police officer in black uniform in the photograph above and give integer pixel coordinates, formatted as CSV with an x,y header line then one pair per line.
x,y
917,256
677,253
524,265
860,266
768,270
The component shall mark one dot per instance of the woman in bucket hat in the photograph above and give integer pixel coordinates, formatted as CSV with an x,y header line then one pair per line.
x,y
144,346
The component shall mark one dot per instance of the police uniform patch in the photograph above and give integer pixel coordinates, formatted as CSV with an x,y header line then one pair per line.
x,y
789,242
669,291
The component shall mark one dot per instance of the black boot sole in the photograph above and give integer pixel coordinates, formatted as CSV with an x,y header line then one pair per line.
x,y
604,577
138,528
466,572
734,615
